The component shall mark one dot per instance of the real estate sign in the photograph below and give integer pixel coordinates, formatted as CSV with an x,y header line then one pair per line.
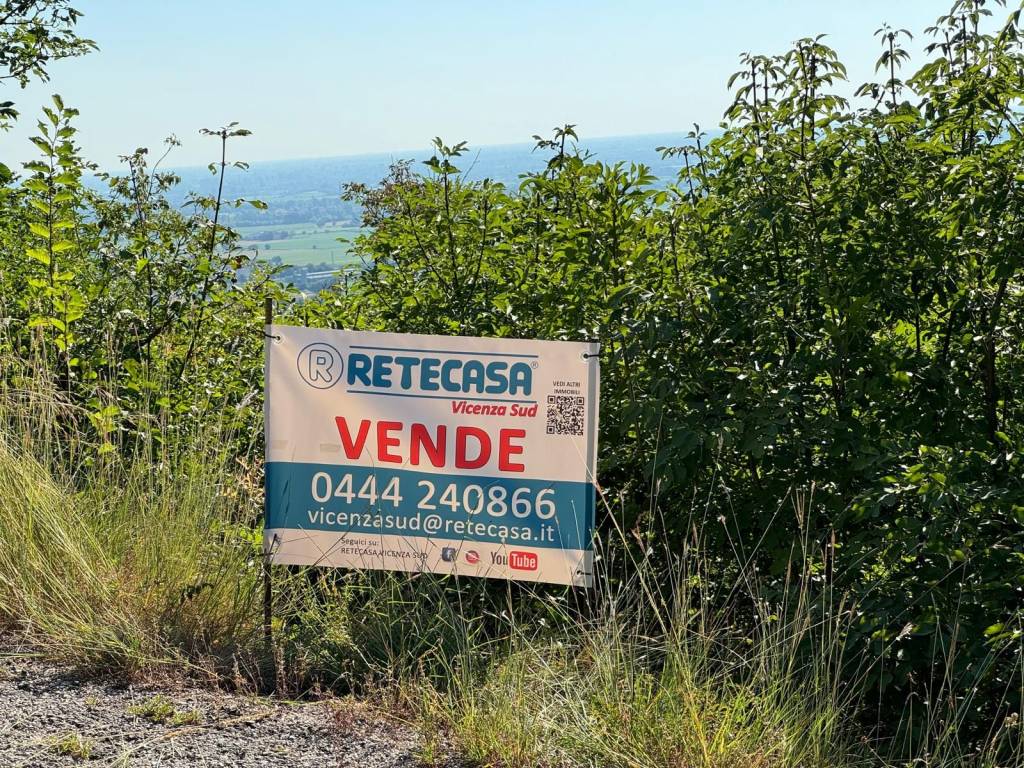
x,y
406,452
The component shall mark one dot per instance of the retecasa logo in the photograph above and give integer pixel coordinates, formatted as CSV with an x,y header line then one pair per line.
x,y
320,365
522,561
433,374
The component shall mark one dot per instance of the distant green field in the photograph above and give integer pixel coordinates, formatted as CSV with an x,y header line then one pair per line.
x,y
305,243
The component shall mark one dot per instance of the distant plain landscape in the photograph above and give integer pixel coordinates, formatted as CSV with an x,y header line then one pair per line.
x,y
301,245
309,229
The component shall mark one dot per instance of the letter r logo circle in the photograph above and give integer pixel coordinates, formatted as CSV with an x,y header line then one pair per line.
x,y
320,365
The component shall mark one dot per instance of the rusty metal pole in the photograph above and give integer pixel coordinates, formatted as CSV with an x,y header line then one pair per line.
x,y
268,593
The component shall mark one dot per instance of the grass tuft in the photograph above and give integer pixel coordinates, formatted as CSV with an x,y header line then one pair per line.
x,y
72,745
161,710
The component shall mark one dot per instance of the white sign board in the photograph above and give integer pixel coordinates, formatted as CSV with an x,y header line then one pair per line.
x,y
468,456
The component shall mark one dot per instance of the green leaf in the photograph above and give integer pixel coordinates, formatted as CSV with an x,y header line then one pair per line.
x,y
39,254
39,230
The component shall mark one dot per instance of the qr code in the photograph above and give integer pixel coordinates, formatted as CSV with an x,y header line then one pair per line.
x,y
565,415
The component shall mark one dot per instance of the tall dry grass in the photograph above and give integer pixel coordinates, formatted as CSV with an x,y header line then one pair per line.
x,y
149,560
122,563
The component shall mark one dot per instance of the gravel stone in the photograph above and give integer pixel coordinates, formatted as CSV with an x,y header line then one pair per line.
x,y
42,702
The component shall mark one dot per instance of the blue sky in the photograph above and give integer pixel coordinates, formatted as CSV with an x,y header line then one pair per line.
x,y
320,77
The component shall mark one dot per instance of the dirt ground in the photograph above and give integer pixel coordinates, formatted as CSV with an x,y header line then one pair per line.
x,y
51,717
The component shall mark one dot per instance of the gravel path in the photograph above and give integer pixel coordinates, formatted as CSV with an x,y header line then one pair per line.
x,y
49,717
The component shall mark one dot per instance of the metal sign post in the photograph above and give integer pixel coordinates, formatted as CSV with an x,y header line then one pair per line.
x,y
268,592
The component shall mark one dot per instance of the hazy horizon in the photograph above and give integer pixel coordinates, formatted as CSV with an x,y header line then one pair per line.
x,y
421,152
